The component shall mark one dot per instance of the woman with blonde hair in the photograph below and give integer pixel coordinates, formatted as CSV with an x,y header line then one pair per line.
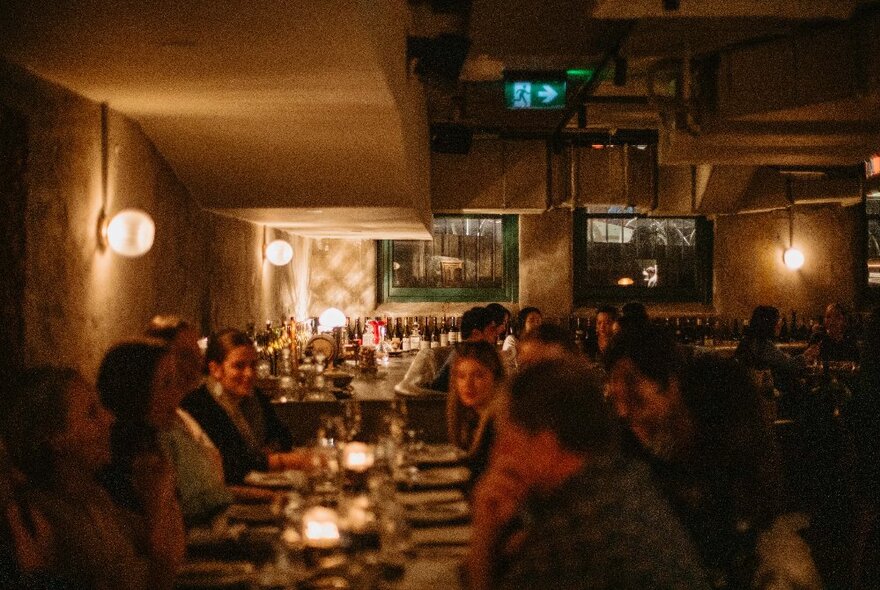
x,y
475,383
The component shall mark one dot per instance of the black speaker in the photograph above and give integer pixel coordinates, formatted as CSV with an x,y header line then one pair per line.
x,y
451,138
440,57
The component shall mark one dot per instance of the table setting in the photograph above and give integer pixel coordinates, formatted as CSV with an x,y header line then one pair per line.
x,y
385,514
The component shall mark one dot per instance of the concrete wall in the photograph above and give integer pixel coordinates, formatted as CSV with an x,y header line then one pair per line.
x,y
748,260
79,298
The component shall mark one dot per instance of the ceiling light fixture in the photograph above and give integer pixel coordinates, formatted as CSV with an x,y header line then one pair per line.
x,y
130,232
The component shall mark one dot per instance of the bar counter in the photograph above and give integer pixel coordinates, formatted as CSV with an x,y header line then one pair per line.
x,y
372,395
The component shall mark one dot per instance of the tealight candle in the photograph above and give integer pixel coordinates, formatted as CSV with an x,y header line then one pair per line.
x,y
321,528
357,457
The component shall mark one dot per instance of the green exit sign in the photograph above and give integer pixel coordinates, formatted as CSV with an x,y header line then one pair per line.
x,y
534,94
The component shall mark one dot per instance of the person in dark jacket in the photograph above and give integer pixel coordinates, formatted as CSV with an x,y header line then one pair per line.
x,y
239,420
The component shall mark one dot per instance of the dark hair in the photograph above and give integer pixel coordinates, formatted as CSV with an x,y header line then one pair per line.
x,y
521,319
476,318
33,409
221,343
166,327
762,326
565,397
125,378
482,352
551,334
608,310
499,313
652,351
634,309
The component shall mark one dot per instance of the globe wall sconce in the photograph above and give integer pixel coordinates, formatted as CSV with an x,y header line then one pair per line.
x,y
279,252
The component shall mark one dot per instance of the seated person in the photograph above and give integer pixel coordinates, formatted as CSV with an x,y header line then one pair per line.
x,y
758,351
143,383
429,371
561,507
476,378
57,435
240,421
835,342
501,318
697,421
606,316
544,343
527,320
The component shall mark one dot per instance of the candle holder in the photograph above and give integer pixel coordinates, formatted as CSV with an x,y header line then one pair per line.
x,y
320,534
357,460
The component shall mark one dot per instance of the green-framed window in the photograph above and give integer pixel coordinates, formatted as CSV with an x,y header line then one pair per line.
x,y
621,255
470,258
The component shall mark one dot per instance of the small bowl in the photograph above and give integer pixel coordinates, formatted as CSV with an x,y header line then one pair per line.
x,y
340,380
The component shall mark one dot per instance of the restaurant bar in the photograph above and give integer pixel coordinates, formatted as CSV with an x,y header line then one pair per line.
x,y
440,294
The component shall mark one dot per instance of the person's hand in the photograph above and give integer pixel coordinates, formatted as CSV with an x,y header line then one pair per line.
x,y
32,544
301,459
155,483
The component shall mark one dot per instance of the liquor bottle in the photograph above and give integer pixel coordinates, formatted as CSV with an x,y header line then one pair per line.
x,y
415,338
405,337
425,341
454,334
444,333
435,335
358,333
396,334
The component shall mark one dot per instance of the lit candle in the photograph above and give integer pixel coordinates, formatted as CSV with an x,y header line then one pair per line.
x,y
321,528
357,457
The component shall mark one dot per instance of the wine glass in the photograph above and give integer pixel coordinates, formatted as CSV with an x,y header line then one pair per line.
x,y
351,418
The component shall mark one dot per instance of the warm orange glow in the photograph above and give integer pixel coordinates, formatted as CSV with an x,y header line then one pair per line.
x,y
625,282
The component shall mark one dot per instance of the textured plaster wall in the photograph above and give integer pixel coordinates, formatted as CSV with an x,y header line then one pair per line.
x,y
748,260
545,263
79,299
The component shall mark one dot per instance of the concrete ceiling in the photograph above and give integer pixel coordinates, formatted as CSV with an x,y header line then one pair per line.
x,y
306,115
291,106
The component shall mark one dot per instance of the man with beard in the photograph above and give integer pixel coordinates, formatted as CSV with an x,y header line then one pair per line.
x,y
697,422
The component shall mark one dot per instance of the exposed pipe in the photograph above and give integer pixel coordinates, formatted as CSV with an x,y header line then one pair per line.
x,y
590,86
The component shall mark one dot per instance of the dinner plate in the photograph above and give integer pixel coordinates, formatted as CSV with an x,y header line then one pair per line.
x,y
276,479
442,513
441,454
215,574
253,513
437,477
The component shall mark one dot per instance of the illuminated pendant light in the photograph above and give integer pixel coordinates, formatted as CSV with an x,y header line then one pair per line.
x,y
331,318
792,257
279,252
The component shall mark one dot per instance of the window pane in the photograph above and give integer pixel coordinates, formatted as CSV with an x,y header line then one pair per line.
x,y
466,252
873,251
649,252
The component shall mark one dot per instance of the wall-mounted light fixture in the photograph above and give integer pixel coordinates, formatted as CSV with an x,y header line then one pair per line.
x,y
130,232
279,252
792,257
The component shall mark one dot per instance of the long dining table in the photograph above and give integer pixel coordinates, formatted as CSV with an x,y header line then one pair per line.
x,y
261,545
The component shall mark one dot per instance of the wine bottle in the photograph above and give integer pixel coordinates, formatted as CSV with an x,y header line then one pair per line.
x,y
435,335
444,333
425,341
405,337
414,335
